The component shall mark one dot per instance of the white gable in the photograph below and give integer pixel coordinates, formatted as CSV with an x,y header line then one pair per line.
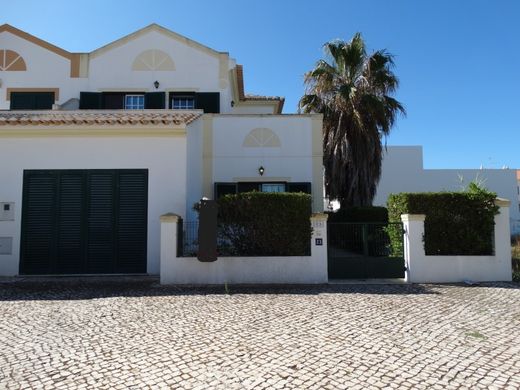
x,y
191,67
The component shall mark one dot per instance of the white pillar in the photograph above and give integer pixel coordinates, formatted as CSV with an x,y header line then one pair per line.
x,y
319,244
413,242
168,245
503,240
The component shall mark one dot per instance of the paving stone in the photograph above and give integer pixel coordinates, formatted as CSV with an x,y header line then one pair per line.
x,y
133,334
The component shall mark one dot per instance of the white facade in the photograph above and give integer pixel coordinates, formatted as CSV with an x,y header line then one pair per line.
x,y
184,151
89,153
403,171
132,63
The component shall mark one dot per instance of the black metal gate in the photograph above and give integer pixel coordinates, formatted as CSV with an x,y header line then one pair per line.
x,y
365,251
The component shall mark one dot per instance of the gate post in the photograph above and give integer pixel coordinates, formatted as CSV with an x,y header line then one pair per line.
x,y
413,246
169,242
319,245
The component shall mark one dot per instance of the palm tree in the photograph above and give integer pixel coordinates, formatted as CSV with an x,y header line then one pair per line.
x,y
353,92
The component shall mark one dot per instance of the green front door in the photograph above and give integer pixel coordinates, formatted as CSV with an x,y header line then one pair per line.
x,y
84,222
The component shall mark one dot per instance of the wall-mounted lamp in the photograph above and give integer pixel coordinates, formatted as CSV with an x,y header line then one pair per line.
x,y
156,84
261,171
232,103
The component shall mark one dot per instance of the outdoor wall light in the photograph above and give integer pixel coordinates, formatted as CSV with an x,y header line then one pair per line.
x,y
156,84
232,103
261,171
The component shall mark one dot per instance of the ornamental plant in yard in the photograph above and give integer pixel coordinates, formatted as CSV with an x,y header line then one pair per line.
x,y
265,224
457,223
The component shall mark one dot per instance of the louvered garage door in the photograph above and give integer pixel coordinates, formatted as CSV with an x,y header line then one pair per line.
x,y
84,222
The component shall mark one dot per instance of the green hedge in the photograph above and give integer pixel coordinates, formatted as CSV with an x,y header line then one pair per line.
x,y
359,214
265,224
457,223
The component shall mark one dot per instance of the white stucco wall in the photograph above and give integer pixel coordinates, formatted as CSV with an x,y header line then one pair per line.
x,y
292,160
454,269
254,109
195,69
403,171
194,148
45,69
244,270
296,159
164,157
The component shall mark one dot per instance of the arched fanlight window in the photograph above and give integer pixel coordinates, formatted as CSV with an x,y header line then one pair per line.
x,y
260,138
11,61
153,60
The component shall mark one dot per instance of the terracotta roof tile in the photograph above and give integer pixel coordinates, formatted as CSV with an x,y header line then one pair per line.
x,y
95,117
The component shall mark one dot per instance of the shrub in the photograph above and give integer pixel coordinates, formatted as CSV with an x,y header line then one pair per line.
x,y
457,223
265,224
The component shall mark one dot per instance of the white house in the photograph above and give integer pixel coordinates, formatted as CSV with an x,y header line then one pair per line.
x,y
96,146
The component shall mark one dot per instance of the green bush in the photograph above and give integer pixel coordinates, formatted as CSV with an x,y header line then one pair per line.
x,y
265,224
457,223
360,214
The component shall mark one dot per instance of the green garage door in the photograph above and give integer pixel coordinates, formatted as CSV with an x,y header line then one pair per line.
x,y
84,222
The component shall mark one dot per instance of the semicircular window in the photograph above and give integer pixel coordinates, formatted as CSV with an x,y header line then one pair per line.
x,y
261,138
153,60
11,61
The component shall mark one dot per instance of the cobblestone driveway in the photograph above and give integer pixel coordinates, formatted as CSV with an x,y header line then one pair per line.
x,y
107,334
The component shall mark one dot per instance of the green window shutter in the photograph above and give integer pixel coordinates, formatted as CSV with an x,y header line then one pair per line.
x,y
208,101
90,100
249,187
154,100
222,189
32,100
113,100
299,187
43,100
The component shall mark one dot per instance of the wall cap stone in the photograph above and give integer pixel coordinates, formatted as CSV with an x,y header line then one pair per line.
x,y
319,217
170,217
413,217
501,202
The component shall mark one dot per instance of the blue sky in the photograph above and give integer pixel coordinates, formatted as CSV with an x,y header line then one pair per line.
x,y
458,61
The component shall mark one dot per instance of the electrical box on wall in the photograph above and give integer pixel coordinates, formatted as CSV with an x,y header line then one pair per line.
x,y
6,211
6,245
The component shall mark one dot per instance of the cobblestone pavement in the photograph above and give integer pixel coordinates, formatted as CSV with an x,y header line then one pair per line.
x,y
69,334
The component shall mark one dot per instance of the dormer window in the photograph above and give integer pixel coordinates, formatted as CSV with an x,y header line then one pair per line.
x,y
134,102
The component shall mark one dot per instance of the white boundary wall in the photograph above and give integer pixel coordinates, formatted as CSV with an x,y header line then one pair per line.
x,y
449,269
242,270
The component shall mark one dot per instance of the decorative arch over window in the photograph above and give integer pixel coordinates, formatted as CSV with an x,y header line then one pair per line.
x,y
262,137
153,59
11,61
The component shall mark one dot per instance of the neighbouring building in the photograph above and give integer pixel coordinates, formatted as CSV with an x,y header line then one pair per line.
x,y
96,146
403,171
